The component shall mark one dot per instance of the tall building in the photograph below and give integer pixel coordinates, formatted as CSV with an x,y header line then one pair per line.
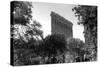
x,y
59,25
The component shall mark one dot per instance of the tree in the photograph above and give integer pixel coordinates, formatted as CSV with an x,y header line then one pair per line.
x,y
22,20
21,12
77,48
87,16
25,33
53,46
25,42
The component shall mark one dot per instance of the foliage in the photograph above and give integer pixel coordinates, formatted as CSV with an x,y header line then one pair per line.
x,y
52,46
77,48
21,12
25,33
26,38
87,16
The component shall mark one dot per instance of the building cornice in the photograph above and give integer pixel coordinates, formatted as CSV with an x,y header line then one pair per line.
x,y
60,18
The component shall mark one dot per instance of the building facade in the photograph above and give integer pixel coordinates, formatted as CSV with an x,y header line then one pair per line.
x,y
59,25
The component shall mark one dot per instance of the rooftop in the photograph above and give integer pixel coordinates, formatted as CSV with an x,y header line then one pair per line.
x,y
61,18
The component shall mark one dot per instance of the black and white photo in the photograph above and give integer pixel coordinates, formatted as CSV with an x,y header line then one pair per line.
x,y
52,33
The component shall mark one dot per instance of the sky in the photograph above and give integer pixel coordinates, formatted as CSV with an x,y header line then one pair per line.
x,y
42,11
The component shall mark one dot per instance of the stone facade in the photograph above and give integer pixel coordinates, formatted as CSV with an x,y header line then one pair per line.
x,y
59,25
